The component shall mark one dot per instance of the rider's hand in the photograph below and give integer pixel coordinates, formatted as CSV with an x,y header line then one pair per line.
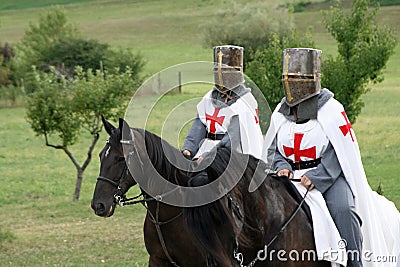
x,y
187,154
199,160
306,182
285,172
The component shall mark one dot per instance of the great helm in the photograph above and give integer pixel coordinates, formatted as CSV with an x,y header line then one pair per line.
x,y
228,67
301,74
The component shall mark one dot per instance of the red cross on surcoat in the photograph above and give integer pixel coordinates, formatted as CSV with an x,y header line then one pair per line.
x,y
347,127
256,116
214,119
298,153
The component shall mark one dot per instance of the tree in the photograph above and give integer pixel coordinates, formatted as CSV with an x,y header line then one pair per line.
x,y
61,109
37,41
363,51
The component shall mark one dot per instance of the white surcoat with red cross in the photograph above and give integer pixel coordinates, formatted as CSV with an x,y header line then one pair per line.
x,y
381,219
302,142
217,121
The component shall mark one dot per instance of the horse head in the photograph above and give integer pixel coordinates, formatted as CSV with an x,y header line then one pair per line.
x,y
114,179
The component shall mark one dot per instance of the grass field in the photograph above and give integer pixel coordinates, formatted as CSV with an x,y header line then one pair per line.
x,y
39,223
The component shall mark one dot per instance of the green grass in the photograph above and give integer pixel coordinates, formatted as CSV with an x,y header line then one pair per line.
x,y
41,226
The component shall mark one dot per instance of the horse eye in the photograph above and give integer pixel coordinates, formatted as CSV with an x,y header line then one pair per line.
x,y
121,158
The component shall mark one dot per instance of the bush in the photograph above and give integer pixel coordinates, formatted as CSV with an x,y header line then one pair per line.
x,y
56,43
67,53
250,26
265,67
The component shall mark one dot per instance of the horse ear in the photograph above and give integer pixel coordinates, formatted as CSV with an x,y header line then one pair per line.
x,y
125,129
107,125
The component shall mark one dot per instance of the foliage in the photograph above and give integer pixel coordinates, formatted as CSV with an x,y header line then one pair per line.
x,y
67,53
8,92
363,50
55,43
61,109
101,93
38,41
121,59
265,68
49,109
6,55
250,26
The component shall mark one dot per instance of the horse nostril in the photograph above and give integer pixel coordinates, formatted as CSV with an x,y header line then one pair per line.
x,y
99,209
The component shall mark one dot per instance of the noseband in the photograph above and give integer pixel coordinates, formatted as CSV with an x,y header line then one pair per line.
x,y
119,196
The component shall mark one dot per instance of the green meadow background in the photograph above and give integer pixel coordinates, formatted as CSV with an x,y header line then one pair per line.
x,y
39,222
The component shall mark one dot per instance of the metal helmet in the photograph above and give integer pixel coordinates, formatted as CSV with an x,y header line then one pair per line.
x,y
301,75
228,67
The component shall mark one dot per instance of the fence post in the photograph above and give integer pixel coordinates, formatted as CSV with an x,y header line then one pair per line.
x,y
180,82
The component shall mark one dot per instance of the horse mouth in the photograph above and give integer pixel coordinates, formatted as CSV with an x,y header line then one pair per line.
x,y
101,210
110,211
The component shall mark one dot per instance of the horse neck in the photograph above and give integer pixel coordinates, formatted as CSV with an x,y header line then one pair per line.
x,y
156,148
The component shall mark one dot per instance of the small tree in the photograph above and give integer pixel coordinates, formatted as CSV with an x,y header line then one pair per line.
x,y
363,51
60,109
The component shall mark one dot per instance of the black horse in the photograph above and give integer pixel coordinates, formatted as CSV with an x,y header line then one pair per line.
x,y
273,228
240,222
167,237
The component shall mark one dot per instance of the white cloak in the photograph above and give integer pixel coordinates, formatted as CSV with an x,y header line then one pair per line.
x,y
380,217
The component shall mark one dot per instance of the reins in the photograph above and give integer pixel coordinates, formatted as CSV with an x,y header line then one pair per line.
x,y
239,256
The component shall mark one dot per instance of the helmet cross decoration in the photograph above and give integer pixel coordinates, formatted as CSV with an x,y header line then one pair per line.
x,y
220,54
286,78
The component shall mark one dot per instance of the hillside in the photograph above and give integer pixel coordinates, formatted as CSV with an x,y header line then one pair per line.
x,y
39,222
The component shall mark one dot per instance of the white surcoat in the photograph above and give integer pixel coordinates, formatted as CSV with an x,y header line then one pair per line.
x,y
217,121
302,142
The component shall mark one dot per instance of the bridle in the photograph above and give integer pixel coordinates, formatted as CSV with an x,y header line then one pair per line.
x,y
119,195
121,199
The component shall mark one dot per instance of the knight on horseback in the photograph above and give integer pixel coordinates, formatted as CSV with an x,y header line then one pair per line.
x,y
228,114
316,145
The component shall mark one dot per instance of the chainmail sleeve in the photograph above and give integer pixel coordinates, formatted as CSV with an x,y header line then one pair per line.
x,y
196,134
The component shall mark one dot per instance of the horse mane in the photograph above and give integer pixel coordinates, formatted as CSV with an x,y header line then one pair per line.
x,y
205,221
157,149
